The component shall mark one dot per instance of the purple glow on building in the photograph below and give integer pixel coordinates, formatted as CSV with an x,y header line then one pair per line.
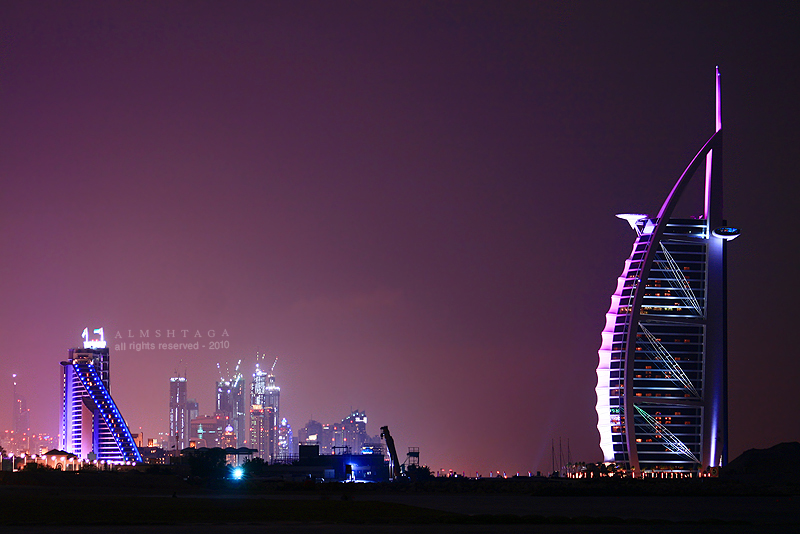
x,y
92,427
661,384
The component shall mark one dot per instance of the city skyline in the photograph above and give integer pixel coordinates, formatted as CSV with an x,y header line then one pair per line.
x,y
410,204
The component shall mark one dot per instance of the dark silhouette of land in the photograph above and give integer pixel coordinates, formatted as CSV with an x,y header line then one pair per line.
x,y
56,499
758,492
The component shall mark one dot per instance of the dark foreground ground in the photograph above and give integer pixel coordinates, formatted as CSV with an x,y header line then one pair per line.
x,y
135,502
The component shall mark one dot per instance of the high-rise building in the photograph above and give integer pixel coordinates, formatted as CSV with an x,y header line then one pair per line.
x,y
259,417
274,397
285,439
227,438
311,434
178,413
92,427
20,411
326,439
231,403
192,408
261,430
349,435
264,413
661,378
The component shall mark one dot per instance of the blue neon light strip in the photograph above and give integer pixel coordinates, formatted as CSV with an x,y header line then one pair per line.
x,y
90,379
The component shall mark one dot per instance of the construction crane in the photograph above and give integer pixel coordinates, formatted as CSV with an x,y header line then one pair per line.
x,y
394,465
234,379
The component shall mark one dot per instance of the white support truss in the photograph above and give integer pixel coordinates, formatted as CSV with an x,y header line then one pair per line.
x,y
668,363
670,440
681,283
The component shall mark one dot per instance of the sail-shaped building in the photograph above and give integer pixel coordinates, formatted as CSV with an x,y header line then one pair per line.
x,y
662,371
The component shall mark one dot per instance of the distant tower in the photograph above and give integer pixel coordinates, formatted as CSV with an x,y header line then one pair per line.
x,y
274,407
231,403
311,433
259,419
91,425
351,434
178,413
285,439
264,412
193,409
227,438
20,412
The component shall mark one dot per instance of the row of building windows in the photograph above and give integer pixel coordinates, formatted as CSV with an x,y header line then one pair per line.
x,y
685,395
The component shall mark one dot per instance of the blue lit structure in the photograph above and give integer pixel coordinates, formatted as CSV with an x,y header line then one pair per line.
x,y
662,372
310,464
91,423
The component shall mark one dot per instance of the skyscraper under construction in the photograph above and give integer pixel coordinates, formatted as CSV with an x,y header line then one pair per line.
x,y
230,404
265,397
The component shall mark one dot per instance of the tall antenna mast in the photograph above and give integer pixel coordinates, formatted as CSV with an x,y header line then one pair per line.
x,y
713,194
719,105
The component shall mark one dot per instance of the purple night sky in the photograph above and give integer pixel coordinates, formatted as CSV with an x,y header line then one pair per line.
x,y
411,204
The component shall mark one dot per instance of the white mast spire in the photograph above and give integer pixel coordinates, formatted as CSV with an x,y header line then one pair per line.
x,y
719,105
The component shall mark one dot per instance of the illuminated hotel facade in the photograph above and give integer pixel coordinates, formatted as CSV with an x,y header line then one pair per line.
x,y
662,372
92,427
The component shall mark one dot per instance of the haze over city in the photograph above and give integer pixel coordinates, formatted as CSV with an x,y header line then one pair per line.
x,y
411,205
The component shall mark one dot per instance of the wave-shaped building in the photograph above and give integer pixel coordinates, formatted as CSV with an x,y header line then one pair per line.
x,y
662,374
92,427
